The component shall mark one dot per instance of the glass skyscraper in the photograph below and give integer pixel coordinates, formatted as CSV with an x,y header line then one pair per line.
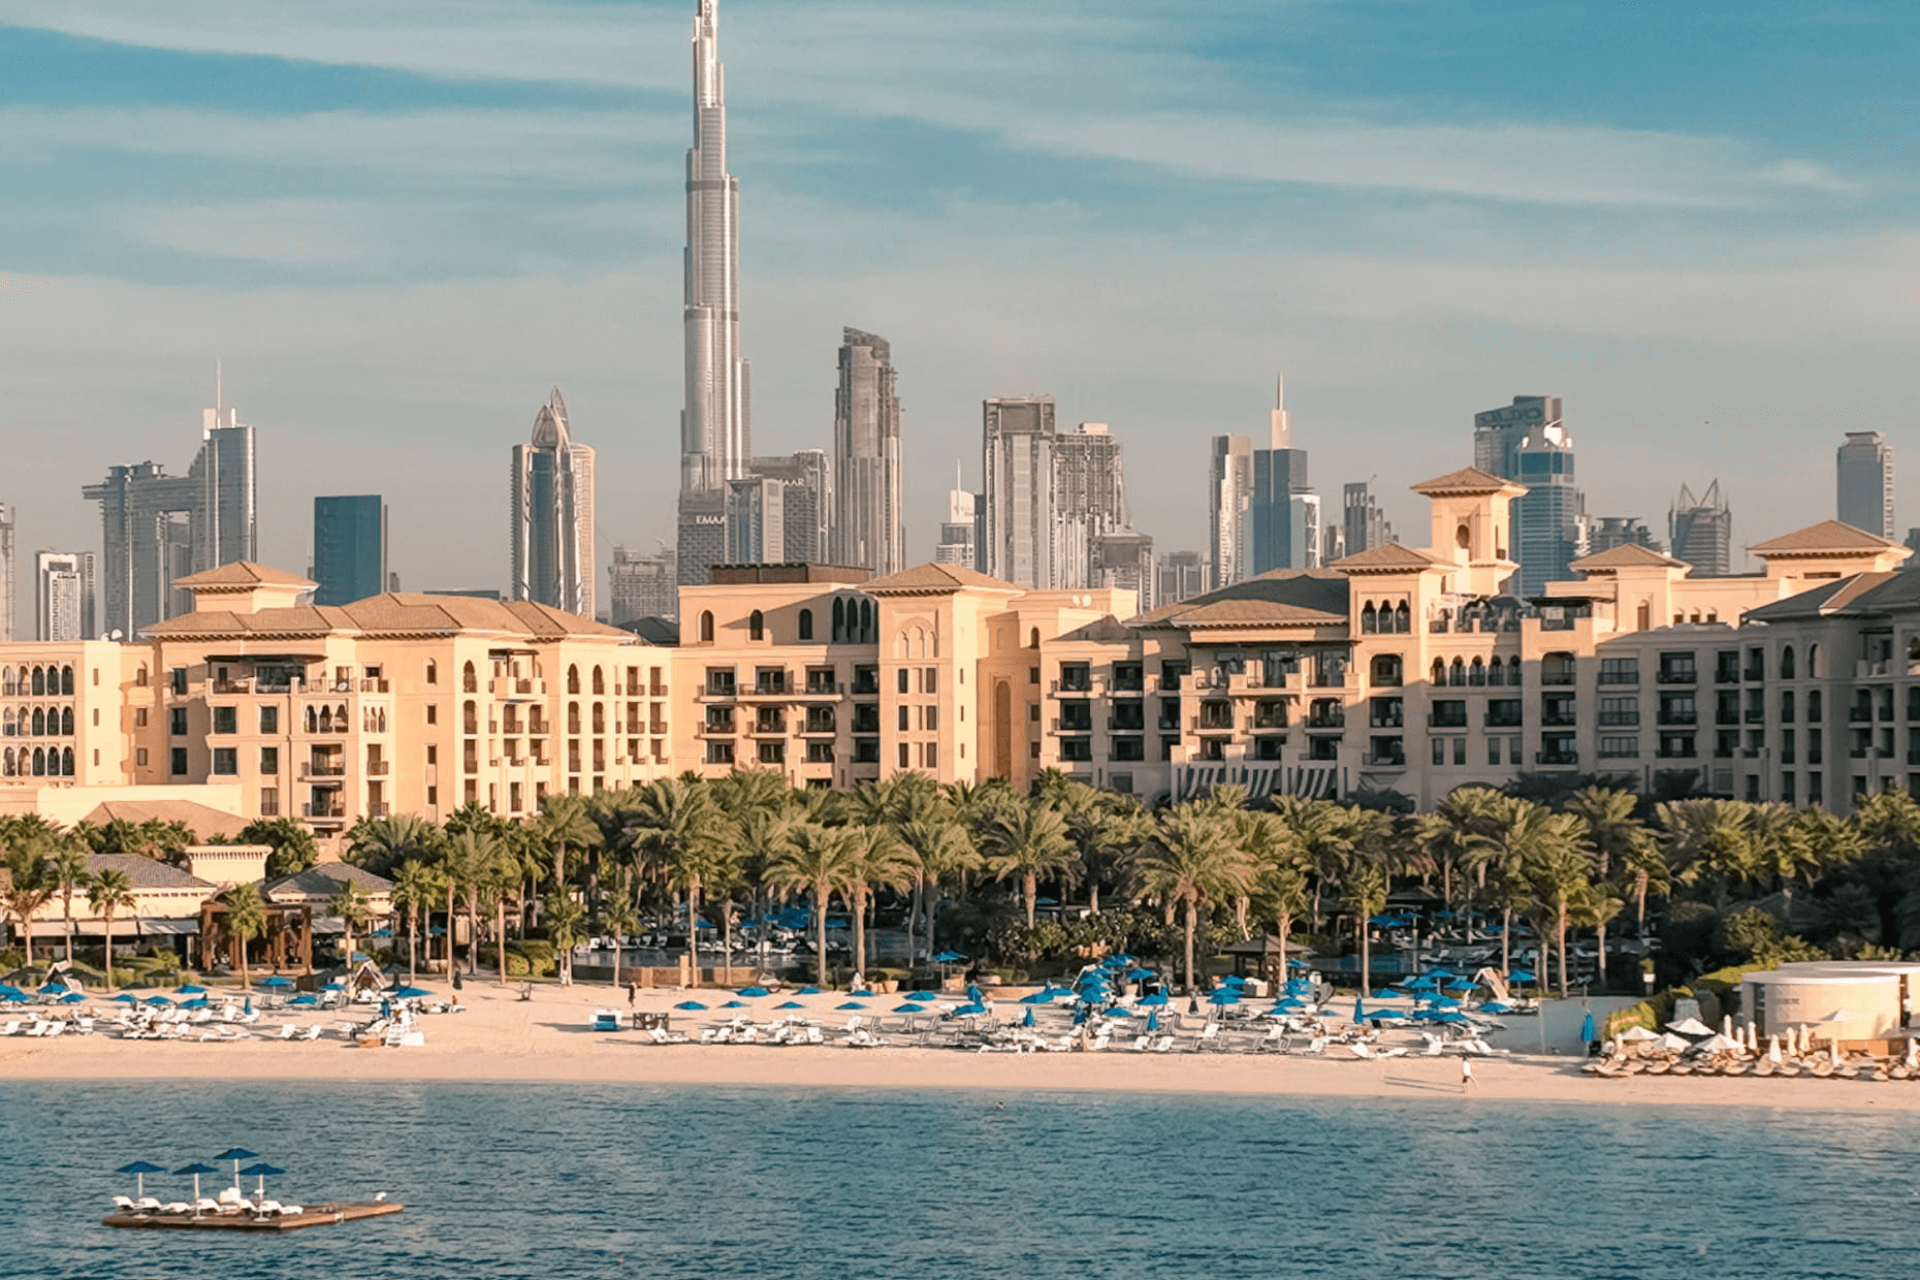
x,y
349,548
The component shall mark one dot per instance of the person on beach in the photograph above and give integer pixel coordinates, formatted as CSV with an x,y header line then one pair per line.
x,y
1466,1075
633,993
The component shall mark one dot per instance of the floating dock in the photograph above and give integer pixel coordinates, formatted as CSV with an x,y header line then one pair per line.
x,y
313,1215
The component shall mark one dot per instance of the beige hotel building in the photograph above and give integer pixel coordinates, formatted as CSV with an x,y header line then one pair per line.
x,y
1400,668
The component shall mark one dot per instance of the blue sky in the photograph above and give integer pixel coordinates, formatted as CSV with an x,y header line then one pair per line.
x,y
398,222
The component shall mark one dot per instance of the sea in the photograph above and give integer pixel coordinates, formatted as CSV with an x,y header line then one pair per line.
x,y
669,1181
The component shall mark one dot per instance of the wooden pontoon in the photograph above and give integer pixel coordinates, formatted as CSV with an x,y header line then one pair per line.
x,y
313,1215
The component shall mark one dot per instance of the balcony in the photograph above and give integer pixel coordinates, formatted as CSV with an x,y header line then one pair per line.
x,y
1617,719
1503,720
1753,675
1726,675
323,769
1868,670
1605,754
768,686
376,686
1677,753
1677,675
721,689
1860,715
1336,719
1386,720
1265,719
1755,716
510,687
774,726
379,768
230,686
324,810
1556,758
1385,760
1677,717
1449,720
379,809
1620,677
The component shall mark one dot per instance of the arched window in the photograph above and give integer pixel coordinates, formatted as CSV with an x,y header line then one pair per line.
x,y
1496,672
39,722
326,719
1387,668
868,633
39,763
312,720
6,763
470,680
806,624
1476,673
1402,619
1786,660
599,718
140,675
573,679
599,680
756,625
1369,620
573,717
706,626
1813,695
1033,638
66,722
1816,663
66,761
8,727
433,672
1439,671
1457,673
39,682
6,681
839,620
66,680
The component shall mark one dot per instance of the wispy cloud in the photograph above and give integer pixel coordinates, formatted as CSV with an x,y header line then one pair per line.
x,y
301,233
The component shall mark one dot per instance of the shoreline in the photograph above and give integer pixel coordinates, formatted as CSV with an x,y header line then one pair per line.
x,y
501,1040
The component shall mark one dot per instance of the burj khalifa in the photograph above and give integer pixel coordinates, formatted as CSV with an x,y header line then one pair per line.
x,y
715,426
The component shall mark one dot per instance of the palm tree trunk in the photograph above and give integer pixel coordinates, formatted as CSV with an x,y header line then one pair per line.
x,y
860,929
1602,939
413,946
1560,945
726,940
1506,940
560,867
693,930
913,913
473,930
1192,923
240,946
1366,953
106,964
500,933
1031,884
1285,927
616,962
66,911
820,932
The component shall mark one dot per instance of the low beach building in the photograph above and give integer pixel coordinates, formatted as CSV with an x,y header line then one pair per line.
x,y
1837,1001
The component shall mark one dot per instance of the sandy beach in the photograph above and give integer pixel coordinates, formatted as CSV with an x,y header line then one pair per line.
x,y
501,1038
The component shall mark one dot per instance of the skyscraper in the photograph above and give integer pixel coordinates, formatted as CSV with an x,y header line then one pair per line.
x,y
7,585
552,516
1182,575
806,503
1864,469
756,521
1549,520
1285,509
349,548
1089,501
642,586
1497,433
868,524
1701,531
957,530
715,427
1230,509
1363,524
156,528
63,592
1125,560
1017,463
1604,533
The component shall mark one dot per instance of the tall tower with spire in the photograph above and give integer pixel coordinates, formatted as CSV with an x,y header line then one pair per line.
x,y
715,430
552,530
1285,511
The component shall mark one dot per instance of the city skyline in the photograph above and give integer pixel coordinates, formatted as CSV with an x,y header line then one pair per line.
x,y
285,244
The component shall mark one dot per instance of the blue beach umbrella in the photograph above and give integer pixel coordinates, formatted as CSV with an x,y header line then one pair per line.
x,y
851,1006
191,989
908,1008
1028,1020
1386,993
691,1006
808,991
1038,997
1586,1029
411,993
1223,998
159,1002
1445,1002
734,1004
791,1004
276,982
861,994
262,1171
1495,1006
196,1169
198,1002
305,1000
1387,1015
126,998
1289,1005
970,1011
754,993
1118,1011
949,957
54,989
11,992
1158,1000
237,1154
1359,1012
140,1169
1140,975
72,997
1124,958
1521,975
1153,1020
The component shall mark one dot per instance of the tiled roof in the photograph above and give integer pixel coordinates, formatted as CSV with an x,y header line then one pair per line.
x,y
324,879
145,873
241,574
393,613
1629,555
1857,593
936,577
1386,557
1466,480
1283,597
204,821
1828,537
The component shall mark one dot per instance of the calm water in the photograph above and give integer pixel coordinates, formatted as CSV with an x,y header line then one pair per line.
x,y
653,1181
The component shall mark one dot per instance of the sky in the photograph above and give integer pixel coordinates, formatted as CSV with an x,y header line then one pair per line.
x,y
396,223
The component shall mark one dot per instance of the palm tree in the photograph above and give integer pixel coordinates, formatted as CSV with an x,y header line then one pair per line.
x,y
109,892
381,844
1280,889
675,824
353,906
1521,835
880,861
464,857
1028,839
1712,841
617,917
1364,896
564,823
817,860
943,851
416,887
26,883
246,920
1558,868
1615,837
67,868
1191,860
563,918
500,880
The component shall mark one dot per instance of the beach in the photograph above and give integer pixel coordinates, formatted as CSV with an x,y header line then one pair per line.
x,y
502,1038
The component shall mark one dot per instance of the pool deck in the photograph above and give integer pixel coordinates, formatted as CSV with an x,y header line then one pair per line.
x,y
314,1215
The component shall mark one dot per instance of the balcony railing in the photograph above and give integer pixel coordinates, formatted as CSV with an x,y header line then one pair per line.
x,y
379,768
1450,720
230,686
323,810
1558,679
1610,719
1557,719
323,769
1326,720
1556,757
1686,675
1386,759
1755,716
1619,677
1677,717
1503,720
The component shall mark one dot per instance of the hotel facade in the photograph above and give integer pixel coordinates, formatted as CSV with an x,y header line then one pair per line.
x,y
1399,668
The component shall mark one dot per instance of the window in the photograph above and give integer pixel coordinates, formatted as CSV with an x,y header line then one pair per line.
x,y
1813,695
1459,750
867,750
1129,677
719,753
269,760
933,720
819,753
756,625
706,627
806,624
433,714
433,796
226,761
1128,748
1619,671
177,763
1439,750
903,680
177,722
903,720
226,719
178,678
720,682
1075,677
931,751
433,672
1786,673
904,749
773,753
140,718
269,720
1387,669
1077,716
140,756
930,682
1076,749
269,802
1619,748
1493,751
